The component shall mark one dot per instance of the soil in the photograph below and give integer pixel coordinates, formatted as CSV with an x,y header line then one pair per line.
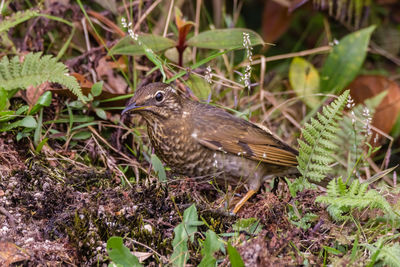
x,y
52,215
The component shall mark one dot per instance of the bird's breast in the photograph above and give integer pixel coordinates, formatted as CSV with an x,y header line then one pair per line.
x,y
175,145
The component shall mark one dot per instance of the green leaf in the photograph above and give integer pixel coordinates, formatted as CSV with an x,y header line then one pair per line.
x,y
182,232
35,70
17,18
127,46
76,118
6,115
82,135
43,101
332,250
28,122
345,60
97,88
317,147
250,225
224,39
38,130
173,55
77,104
120,254
211,245
200,87
158,167
101,113
304,79
190,219
22,110
3,99
180,255
234,257
41,144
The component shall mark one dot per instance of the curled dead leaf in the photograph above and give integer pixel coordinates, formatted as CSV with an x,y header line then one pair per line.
x,y
11,253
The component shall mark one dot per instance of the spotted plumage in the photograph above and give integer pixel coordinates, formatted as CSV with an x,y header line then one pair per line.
x,y
197,139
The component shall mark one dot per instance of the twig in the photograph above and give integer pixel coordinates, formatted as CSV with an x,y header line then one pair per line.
x,y
196,27
148,11
322,49
9,216
168,18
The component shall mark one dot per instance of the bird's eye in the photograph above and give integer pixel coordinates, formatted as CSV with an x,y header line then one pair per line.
x,y
159,97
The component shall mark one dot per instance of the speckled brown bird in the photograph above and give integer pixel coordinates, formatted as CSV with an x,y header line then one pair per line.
x,y
196,139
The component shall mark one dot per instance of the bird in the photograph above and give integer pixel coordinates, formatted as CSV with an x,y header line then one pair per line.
x,y
196,139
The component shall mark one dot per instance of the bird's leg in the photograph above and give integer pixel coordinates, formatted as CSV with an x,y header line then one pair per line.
x,y
246,197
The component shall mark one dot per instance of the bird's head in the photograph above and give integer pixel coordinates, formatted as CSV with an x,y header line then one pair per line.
x,y
155,100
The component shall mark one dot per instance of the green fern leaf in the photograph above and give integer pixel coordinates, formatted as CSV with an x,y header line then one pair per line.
x,y
390,255
342,199
35,70
16,19
315,152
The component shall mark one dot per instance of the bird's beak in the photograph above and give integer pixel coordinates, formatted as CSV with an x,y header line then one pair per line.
x,y
132,107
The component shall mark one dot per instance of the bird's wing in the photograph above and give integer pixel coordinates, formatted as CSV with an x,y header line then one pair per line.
x,y
219,130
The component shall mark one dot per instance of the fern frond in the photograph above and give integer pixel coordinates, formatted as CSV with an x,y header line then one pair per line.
x,y
35,70
388,254
315,152
357,196
17,18
352,137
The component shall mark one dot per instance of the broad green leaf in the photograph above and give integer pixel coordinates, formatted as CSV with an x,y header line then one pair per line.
x,y
173,55
127,46
183,231
77,104
180,255
28,122
224,39
304,79
211,245
120,254
345,60
43,101
234,257
190,218
158,167
97,88
101,113
200,87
